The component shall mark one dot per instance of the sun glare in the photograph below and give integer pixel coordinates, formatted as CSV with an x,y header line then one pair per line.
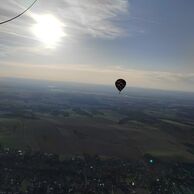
x,y
48,29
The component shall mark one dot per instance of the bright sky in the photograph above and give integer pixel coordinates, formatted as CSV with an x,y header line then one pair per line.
x,y
150,43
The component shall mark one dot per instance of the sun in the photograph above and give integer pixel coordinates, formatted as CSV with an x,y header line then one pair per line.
x,y
48,29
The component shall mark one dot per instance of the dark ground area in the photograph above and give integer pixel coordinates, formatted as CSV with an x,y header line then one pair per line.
x,y
70,119
114,131
43,173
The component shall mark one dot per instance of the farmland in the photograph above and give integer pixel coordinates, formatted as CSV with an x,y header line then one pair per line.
x,y
71,120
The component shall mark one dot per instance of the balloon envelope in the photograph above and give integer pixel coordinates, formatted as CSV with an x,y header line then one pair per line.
x,y
120,84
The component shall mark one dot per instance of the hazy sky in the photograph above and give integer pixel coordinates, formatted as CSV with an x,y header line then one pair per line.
x,y
150,43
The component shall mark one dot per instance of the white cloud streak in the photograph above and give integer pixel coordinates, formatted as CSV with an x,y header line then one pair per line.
x,y
82,18
106,76
89,17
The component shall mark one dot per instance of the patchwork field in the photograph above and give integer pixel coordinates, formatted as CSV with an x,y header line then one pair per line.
x,y
68,122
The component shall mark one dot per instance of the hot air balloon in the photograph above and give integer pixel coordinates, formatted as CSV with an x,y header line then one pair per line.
x,y
120,84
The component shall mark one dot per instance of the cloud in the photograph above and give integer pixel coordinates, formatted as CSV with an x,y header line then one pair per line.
x,y
173,77
96,17
89,17
82,18
106,76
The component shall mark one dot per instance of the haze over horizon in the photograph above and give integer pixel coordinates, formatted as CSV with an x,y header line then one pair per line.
x,y
148,43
